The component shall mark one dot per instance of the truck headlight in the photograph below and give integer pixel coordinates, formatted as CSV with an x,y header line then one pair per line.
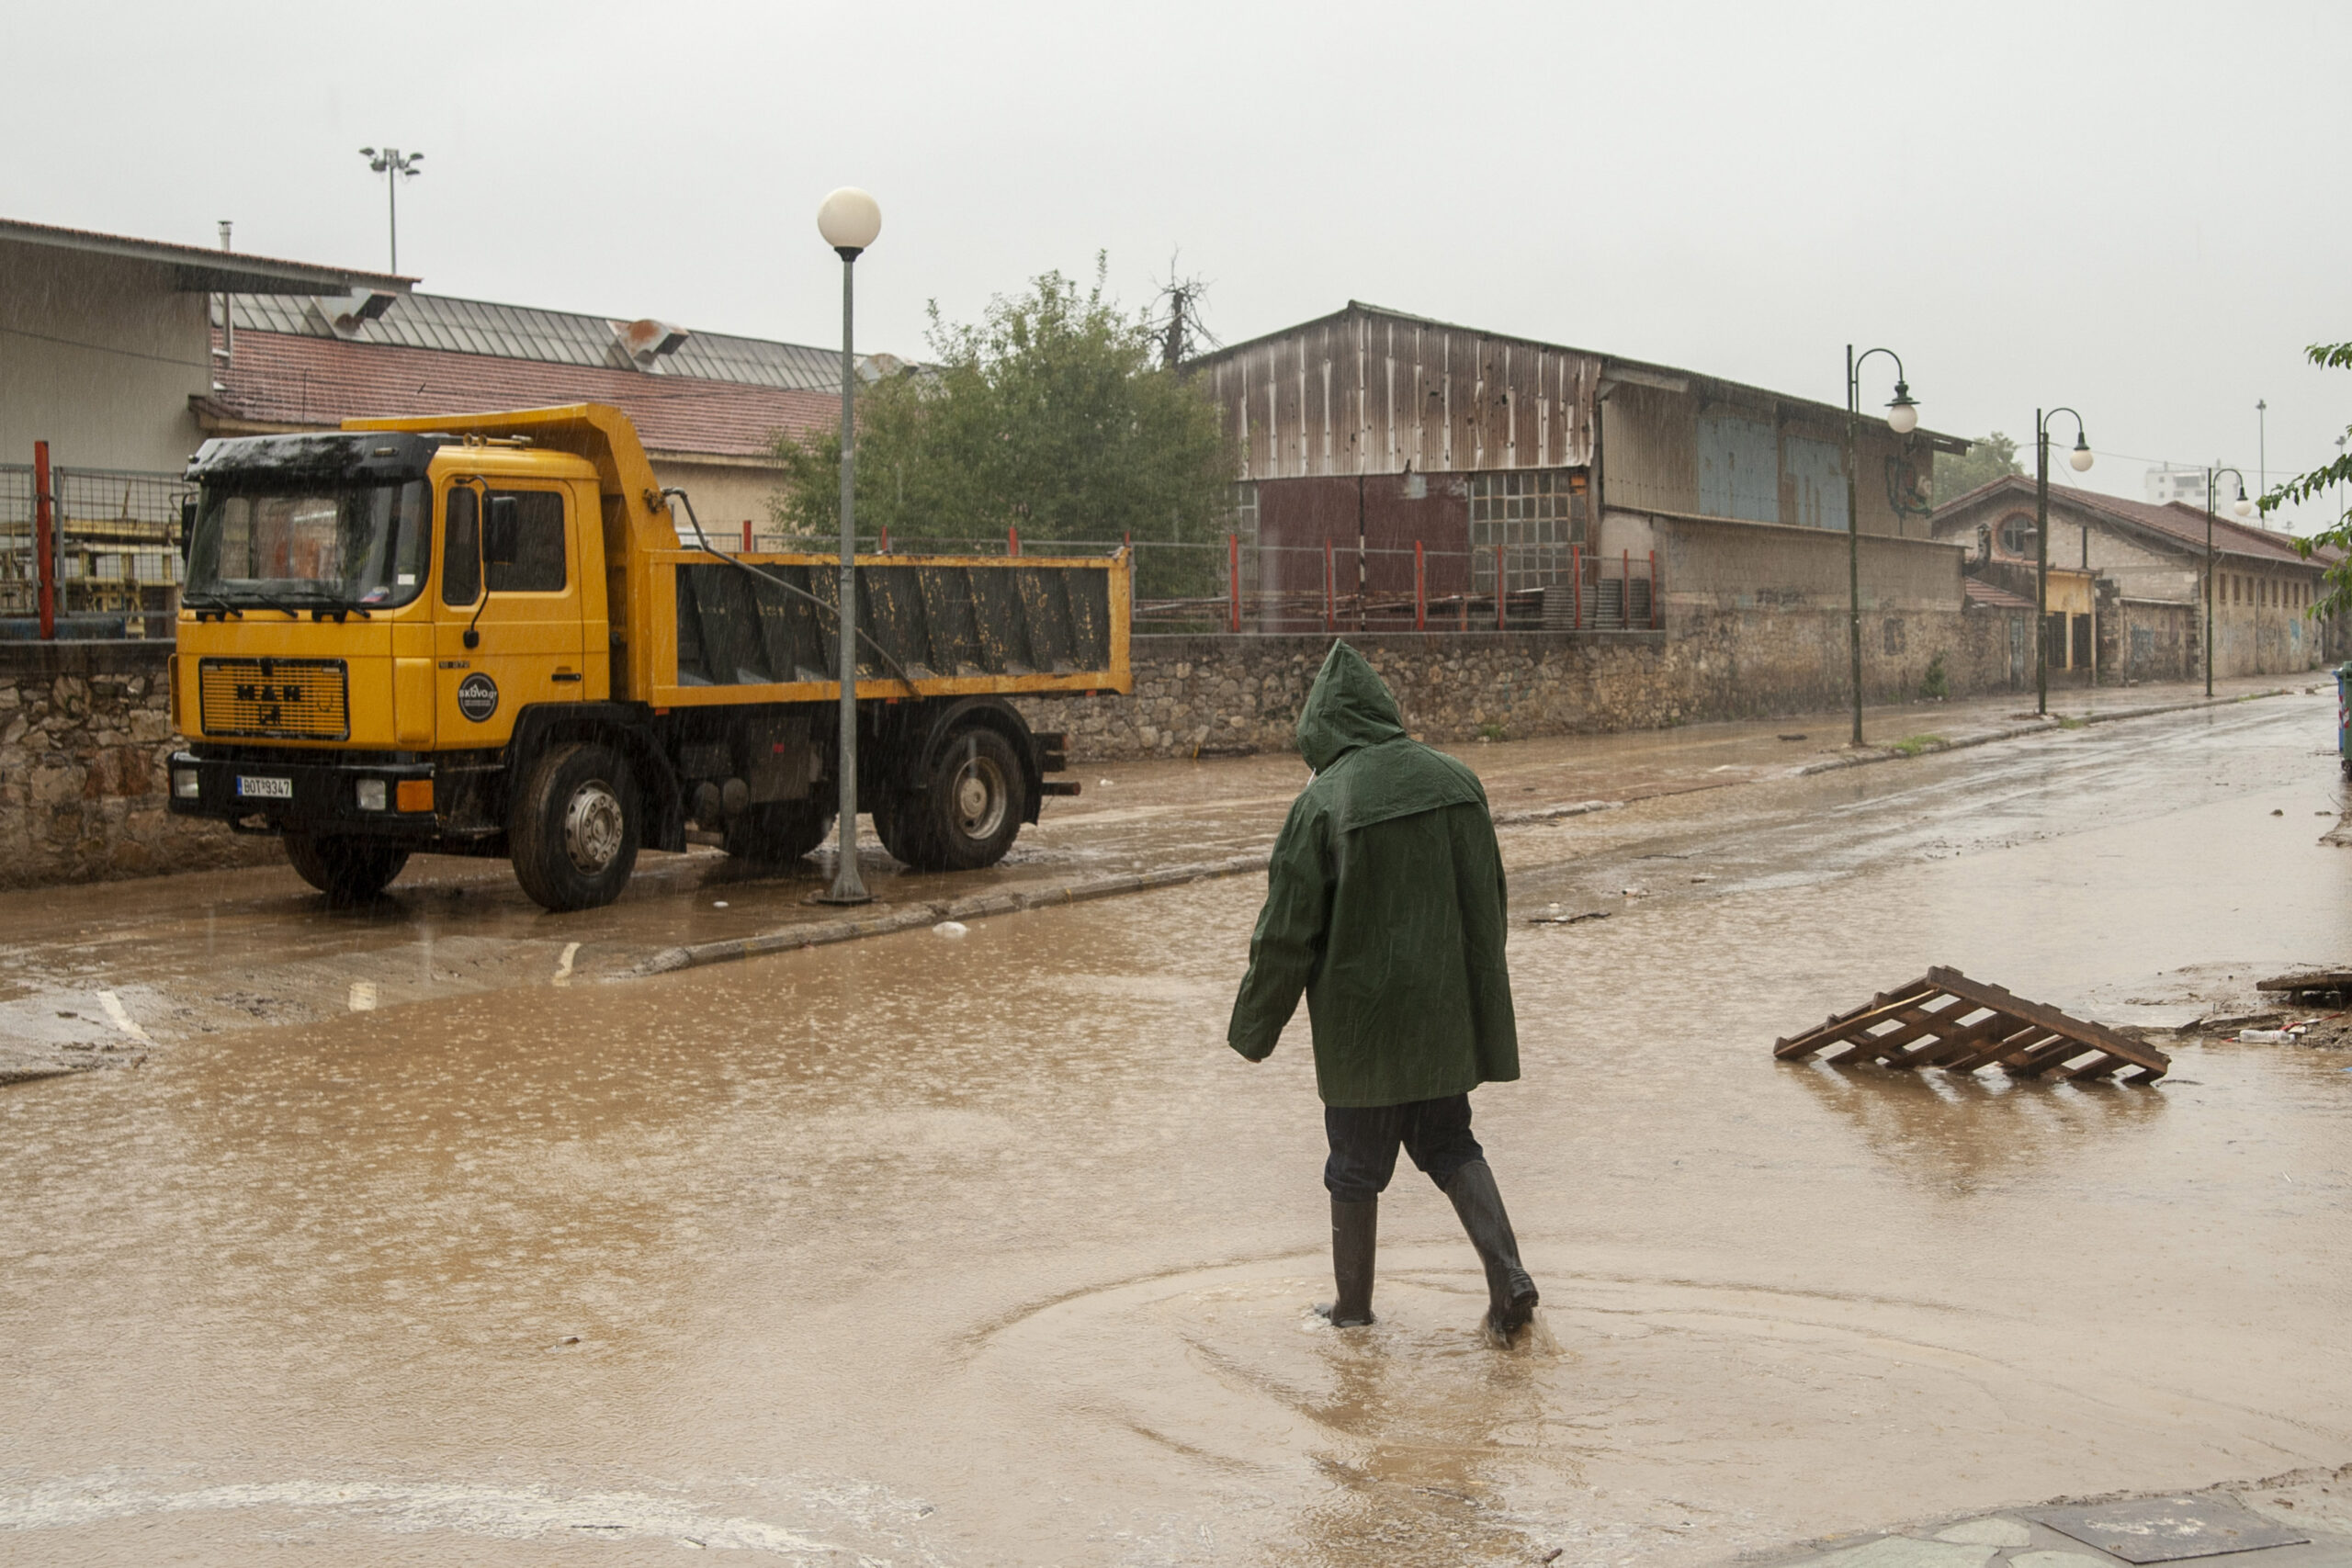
x,y
187,783
370,795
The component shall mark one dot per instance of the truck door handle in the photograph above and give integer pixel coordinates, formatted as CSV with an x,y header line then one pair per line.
x,y
566,675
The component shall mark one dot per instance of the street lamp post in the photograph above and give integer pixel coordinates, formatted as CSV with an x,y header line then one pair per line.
x,y
2243,508
2080,461
1903,418
395,166
849,221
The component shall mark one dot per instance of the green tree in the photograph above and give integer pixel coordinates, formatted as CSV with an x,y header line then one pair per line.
x,y
2337,535
1052,414
1992,457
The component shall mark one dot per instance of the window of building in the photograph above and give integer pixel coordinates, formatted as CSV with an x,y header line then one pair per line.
x,y
1533,516
2016,535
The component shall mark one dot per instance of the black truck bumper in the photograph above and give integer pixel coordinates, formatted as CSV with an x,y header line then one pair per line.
x,y
275,794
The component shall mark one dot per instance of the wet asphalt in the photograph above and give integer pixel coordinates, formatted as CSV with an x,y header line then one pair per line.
x,y
438,1232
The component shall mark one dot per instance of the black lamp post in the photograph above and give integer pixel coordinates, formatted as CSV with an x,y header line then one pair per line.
x,y
1903,418
850,221
2080,461
2244,508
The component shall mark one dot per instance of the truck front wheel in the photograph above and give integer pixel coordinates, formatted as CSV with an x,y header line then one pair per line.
x,y
347,870
574,830
968,816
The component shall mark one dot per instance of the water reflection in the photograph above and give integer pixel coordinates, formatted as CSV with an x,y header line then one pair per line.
x,y
1962,1133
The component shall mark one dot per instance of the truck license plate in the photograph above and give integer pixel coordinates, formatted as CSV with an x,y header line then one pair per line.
x,y
266,789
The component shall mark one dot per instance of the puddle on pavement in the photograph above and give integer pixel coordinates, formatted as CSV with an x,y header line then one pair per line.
x,y
989,1250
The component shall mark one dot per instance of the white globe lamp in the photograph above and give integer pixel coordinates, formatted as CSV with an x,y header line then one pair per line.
x,y
849,219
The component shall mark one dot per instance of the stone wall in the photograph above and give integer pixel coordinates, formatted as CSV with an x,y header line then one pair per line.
x,y
85,730
1217,694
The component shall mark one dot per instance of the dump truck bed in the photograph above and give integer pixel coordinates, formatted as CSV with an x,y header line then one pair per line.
x,y
759,628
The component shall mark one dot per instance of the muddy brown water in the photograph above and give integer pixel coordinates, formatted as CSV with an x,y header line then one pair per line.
x,y
987,1251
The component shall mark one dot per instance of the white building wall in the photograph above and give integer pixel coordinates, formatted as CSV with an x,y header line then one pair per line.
x,y
98,356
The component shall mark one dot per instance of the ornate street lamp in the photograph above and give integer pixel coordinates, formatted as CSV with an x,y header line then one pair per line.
x,y
850,221
2079,459
2244,508
1903,418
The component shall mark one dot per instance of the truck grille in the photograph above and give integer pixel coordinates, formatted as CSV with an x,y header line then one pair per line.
x,y
277,698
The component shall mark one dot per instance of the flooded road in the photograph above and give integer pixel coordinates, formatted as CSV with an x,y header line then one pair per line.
x,y
986,1251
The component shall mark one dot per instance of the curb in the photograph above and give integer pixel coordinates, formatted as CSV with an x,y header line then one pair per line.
x,y
2050,725
1554,813
824,933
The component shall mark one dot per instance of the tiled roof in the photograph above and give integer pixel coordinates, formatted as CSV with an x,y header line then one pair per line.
x,y
2181,524
553,337
1979,592
281,379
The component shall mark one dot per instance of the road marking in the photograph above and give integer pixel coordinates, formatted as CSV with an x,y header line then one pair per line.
x,y
123,1019
564,967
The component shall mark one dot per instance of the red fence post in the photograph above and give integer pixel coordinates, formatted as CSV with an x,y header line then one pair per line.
x,y
1233,578
1653,591
44,540
1330,590
1502,593
1576,588
1420,590
1012,541
747,536
886,538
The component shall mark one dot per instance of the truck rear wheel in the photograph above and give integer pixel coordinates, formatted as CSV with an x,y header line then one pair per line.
x,y
347,870
968,816
576,827
778,833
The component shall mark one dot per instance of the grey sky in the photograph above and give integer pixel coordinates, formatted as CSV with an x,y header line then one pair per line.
x,y
2127,208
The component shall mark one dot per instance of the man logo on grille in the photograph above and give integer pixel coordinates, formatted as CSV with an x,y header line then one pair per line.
x,y
477,696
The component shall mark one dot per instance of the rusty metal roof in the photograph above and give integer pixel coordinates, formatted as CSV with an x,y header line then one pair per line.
x,y
1639,371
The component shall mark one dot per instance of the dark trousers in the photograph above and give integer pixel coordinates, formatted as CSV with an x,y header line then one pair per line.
x,y
1436,1133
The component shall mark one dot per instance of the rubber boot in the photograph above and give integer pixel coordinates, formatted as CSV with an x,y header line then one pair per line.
x,y
1510,1294
1355,1230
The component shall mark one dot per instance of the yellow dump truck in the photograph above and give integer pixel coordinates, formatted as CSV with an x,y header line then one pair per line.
x,y
490,634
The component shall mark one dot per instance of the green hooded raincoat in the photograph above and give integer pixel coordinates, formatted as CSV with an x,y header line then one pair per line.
x,y
1384,904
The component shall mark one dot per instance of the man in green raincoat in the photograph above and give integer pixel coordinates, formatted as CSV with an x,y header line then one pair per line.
x,y
1384,904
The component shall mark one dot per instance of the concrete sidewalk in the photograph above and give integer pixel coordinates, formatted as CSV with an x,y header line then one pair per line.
x,y
2302,1519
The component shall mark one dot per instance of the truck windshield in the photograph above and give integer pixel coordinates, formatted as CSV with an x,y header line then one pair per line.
x,y
349,546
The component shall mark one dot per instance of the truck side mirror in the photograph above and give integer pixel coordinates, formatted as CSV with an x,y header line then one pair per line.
x,y
502,531
187,529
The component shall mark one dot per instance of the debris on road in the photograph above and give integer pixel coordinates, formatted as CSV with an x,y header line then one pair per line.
x,y
1948,1020
1553,915
950,928
2300,981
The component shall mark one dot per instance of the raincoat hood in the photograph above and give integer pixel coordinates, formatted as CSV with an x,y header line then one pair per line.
x,y
1348,707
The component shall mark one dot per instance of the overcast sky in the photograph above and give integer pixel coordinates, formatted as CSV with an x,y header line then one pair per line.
x,y
2133,209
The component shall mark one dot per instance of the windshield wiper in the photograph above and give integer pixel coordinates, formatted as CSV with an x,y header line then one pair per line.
x,y
221,607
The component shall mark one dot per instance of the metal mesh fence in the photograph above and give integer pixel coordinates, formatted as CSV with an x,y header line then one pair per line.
x,y
116,543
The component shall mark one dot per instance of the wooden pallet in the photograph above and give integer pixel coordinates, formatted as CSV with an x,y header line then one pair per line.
x,y
1950,1021
2308,980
